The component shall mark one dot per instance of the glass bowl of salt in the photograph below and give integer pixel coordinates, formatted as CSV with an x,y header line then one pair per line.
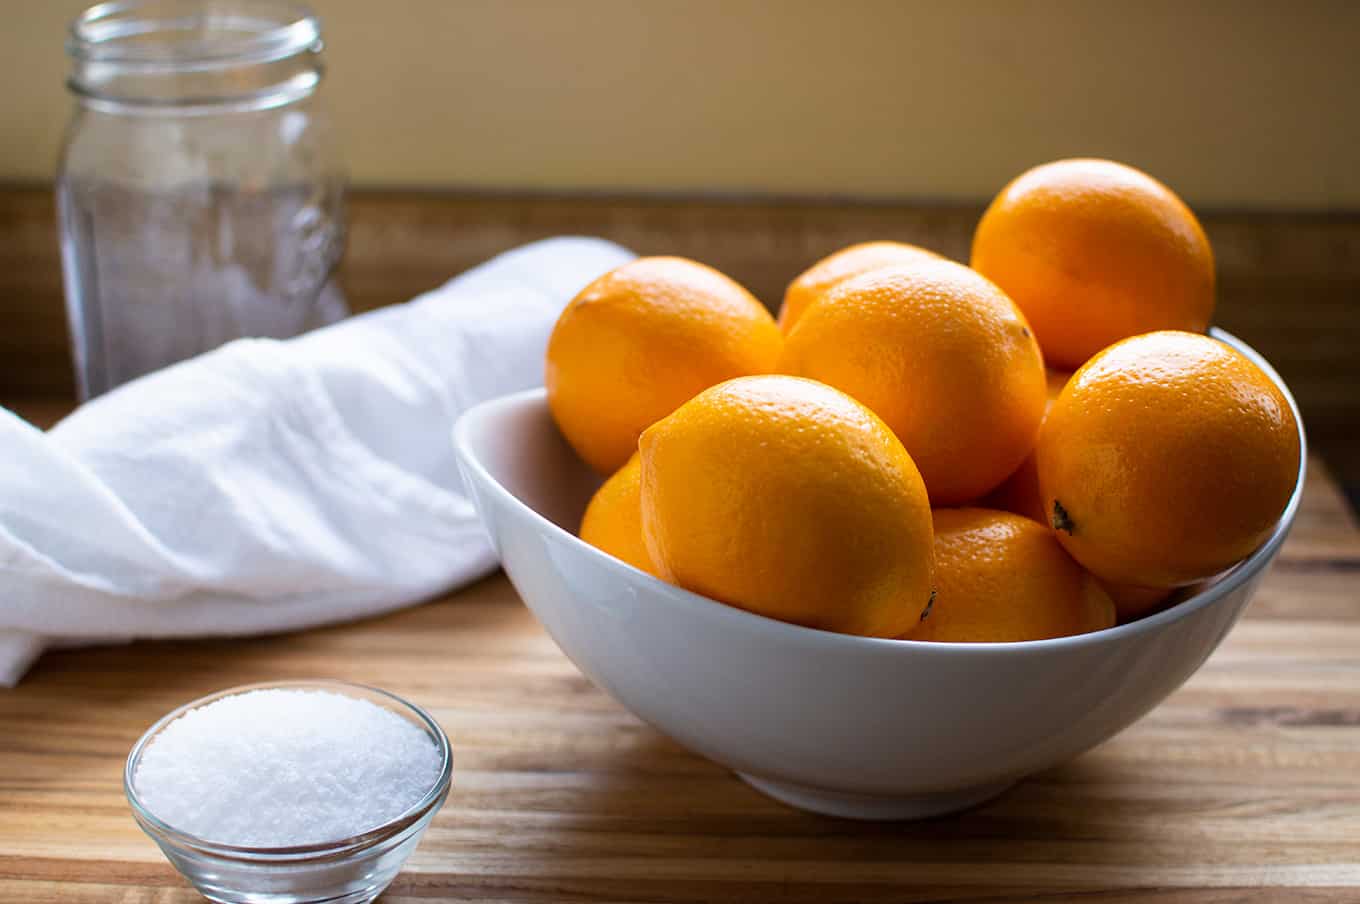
x,y
290,792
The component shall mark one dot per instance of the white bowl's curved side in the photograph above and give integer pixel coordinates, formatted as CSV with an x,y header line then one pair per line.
x,y
846,714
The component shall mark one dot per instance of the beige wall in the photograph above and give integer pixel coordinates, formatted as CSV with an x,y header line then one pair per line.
x,y
1233,104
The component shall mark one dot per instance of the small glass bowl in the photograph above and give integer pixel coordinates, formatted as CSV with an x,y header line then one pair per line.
x,y
348,871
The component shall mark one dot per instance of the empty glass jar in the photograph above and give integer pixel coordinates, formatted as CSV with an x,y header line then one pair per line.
x,y
201,192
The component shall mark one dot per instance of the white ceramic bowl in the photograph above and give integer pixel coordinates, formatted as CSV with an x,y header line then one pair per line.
x,y
850,726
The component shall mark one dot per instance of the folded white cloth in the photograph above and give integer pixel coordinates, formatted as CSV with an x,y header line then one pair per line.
x,y
269,486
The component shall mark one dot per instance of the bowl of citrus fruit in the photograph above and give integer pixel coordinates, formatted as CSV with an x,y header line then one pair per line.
x,y
932,529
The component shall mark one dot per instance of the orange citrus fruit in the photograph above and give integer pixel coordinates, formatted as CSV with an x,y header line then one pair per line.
x,y
814,282
790,499
940,354
1019,493
1132,603
641,340
613,520
1166,458
1000,577
1094,251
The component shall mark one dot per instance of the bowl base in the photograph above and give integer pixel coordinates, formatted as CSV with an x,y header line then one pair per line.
x,y
872,806
365,895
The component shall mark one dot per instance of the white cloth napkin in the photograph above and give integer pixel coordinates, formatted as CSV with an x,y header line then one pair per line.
x,y
269,486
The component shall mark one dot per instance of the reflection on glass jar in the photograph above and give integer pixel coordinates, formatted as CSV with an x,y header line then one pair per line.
x,y
201,192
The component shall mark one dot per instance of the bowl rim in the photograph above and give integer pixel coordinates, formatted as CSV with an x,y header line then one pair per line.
x,y
323,851
1224,583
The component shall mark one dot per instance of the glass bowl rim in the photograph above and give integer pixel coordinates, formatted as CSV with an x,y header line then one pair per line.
x,y
315,851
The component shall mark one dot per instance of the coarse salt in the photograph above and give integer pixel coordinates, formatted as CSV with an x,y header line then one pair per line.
x,y
274,768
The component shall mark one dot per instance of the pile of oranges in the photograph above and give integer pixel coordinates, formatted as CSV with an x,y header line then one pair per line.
x,y
906,452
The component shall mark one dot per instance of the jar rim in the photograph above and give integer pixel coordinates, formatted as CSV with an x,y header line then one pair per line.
x,y
174,34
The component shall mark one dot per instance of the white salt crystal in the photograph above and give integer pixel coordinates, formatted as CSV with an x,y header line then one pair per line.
x,y
272,768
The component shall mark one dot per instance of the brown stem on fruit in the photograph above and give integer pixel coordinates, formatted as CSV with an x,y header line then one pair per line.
x,y
1061,520
930,603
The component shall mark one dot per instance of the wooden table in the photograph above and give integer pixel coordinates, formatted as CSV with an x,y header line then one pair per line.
x,y
1243,786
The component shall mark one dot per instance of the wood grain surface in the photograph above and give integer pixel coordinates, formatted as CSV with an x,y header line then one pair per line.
x,y
1288,284
1243,786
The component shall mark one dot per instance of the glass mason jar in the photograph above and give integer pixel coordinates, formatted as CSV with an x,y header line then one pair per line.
x,y
200,191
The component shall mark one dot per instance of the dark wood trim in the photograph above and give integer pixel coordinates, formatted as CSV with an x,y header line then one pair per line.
x,y
1290,282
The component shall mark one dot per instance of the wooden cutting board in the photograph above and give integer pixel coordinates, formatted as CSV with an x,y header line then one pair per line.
x,y
1243,786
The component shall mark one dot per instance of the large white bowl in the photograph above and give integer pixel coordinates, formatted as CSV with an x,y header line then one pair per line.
x,y
850,726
